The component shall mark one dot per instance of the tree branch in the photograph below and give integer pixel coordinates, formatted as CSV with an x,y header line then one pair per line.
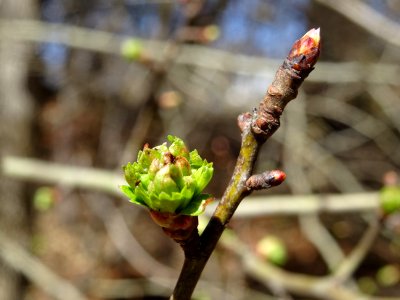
x,y
255,131
19,259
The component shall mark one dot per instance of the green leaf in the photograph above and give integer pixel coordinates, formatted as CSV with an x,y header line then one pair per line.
x,y
195,160
202,177
142,195
178,147
130,173
127,190
196,206
187,194
167,202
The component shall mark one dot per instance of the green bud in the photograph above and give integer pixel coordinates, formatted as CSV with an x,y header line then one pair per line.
x,y
131,49
169,179
390,199
154,167
178,147
183,164
388,275
44,198
367,285
272,249
163,181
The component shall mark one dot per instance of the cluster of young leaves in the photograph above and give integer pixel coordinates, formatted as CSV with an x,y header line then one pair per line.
x,y
168,179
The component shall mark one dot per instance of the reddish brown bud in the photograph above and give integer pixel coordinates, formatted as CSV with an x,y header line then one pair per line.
x,y
266,180
178,227
305,51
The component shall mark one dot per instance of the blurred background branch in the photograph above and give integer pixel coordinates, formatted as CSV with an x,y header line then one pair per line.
x,y
192,55
108,181
21,260
364,15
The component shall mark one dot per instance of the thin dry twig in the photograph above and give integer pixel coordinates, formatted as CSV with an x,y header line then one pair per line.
x,y
324,287
349,265
310,224
125,242
24,262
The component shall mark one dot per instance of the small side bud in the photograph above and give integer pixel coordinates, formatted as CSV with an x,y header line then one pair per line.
x,y
265,180
244,120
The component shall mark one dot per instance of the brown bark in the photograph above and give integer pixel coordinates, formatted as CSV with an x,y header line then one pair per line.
x,y
256,129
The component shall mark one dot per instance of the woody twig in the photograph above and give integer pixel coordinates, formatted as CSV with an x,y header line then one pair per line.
x,y
256,128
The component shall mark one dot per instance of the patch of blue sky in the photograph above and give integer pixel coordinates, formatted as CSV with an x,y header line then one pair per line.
x,y
149,24
234,23
53,55
276,41
273,37
384,8
53,11
95,19
144,20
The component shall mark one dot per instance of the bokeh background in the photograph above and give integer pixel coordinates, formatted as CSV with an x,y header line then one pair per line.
x,y
84,84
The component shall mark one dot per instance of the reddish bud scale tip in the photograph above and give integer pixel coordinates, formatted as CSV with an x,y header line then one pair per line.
x,y
305,51
266,180
276,177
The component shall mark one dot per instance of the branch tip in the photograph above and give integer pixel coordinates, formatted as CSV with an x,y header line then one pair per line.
x,y
305,51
